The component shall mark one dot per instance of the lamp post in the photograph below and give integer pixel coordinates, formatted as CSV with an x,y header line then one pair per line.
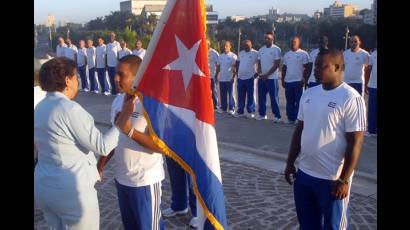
x,y
346,36
68,33
35,38
239,40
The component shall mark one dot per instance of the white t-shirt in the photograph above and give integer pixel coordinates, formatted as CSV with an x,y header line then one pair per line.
x,y
327,116
70,52
60,50
267,57
373,74
226,61
140,53
247,64
294,61
124,52
112,53
39,95
91,57
82,57
354,65
100,53
212,62
135,166
312,59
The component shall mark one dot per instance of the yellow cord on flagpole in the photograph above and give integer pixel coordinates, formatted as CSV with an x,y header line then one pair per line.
x,y
170,153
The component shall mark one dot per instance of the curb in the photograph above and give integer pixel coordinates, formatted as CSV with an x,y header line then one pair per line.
x,y
269,154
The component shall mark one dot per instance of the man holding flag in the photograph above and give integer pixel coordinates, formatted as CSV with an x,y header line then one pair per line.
x,y
173,87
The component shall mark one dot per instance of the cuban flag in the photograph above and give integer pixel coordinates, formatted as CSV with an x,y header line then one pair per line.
x,y
173,84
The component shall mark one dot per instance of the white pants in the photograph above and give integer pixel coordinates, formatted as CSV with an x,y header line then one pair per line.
x,y
68,208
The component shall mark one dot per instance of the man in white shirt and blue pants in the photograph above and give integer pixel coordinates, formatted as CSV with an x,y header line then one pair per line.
x,y
101,65
294,71
112,60
91,65
227,71
323,43
82,65
213,56
327,140
371,89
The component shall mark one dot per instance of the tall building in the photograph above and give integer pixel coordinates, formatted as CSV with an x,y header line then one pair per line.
x,y
237,18
136,6
370,16
211,15
338,10
50,21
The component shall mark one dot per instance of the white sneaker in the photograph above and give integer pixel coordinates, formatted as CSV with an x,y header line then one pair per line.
x,y
239,115
169,212
86,90
194,222
250,115
219,110
277,120
231,112
367,134
107,93
259,118
96,91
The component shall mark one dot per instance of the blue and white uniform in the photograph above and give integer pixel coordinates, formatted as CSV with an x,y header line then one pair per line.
x,y
227,63
327,116
312,59
138,175
91,68
213,56
355,63
112,50
100,63
372,86
82,66
295,62
246,72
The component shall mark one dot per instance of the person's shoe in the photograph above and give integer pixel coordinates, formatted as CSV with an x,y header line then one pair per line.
x,y
169,212
259,117
107,93
86,90
194,222
219,110
231,112
238,115
277,120
96,91
250,115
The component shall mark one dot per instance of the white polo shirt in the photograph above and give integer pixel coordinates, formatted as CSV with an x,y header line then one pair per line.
x,y
354,65
100,53
294,61
39,95
312,59
124,52
140,53
70,52
112,53
268,56
212,61
226,61
91,57
373,74
135,165
327,116
82,57
247,64
60,50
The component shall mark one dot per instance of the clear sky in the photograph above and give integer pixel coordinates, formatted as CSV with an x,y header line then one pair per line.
x,y
82,11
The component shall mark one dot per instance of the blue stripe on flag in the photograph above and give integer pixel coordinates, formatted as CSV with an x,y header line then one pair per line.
x,y
181,139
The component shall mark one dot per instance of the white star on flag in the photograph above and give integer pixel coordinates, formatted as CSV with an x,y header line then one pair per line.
x,y
186,61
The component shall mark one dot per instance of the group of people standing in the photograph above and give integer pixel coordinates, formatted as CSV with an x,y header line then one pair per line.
x,y
256,74
101,59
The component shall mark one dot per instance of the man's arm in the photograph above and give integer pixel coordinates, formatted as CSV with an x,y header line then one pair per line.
x,y
284,67
103,161
367,73
218,69
293,152
306,74
352,154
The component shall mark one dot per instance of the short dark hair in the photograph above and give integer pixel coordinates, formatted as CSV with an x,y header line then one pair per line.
x,y
335,55
53,73
269,33
133,61
101,37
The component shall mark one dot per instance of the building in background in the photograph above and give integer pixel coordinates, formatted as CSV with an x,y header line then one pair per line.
x,y
211,15
149,10
317,15
291,18
339,10
237,18
137,6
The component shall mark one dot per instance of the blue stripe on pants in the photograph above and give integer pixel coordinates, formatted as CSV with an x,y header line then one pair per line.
x,y
111,75
83,75
316,207
91,76
358,87
214,95
181,187
270,86
102,79
225,88
245,90
372,114
293,92
140,206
